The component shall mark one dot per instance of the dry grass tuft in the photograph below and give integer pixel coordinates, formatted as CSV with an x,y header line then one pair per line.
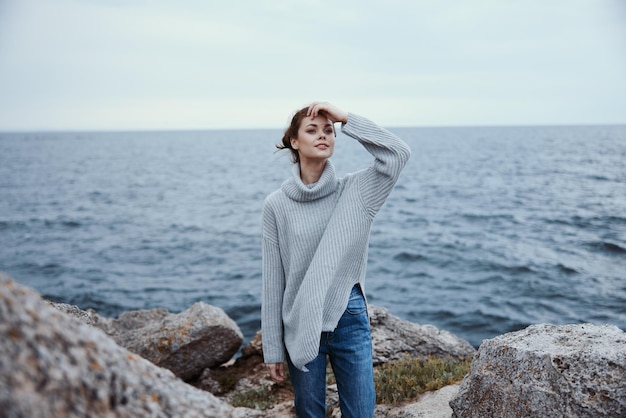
x,y
405,379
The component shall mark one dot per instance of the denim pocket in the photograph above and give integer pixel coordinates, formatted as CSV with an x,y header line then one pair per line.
x,y
356,304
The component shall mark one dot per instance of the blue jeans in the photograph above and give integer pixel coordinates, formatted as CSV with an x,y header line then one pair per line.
x,y
349,348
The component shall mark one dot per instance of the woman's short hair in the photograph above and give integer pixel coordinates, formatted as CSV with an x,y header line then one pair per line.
x,y
292,132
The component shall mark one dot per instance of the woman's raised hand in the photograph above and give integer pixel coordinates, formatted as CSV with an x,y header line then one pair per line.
x,y
333,112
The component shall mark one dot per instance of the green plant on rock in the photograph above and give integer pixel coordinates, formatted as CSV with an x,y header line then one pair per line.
x,y
406,378
259,399
228,381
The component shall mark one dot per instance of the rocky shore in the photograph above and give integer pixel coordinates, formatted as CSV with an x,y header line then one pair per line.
x,y
57,360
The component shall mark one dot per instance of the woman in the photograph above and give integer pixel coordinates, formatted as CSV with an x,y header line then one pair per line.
x,y
315,239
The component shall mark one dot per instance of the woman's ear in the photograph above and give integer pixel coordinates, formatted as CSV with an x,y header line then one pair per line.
x,y
294,143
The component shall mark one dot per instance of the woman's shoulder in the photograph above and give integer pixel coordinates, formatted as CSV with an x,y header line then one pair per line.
x,y
276,198
273,197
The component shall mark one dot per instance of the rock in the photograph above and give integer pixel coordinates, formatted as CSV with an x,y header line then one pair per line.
x,y
246,373
429,405
281,410
547,371
89,317
53,365
254,347
209,380
200,337
393,339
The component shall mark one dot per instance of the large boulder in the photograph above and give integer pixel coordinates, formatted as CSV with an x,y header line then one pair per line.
x,y
200,337
186,343
547,371
53,365
394,338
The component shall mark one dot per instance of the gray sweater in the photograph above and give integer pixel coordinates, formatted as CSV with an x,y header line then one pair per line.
x,y
315,243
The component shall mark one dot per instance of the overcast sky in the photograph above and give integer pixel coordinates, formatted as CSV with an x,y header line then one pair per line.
x,y
196,64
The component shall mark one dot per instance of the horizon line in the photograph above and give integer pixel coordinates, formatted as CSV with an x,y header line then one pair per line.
x,y
131,130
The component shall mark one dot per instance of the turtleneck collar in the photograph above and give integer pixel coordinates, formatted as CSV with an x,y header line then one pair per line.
x,y
295,189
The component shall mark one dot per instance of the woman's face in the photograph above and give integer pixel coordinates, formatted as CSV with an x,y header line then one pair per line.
x,y
316,139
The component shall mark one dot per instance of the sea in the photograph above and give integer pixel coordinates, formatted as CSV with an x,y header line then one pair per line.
x,y
488,230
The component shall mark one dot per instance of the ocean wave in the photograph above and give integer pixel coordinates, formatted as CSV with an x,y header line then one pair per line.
x,y
408,257
480,217
585,222
598,177
70,224
46,269
486,265
567,270
13,225
606,247
45,223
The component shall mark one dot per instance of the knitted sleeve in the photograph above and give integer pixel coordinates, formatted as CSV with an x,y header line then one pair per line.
x,y
391,155
273,290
